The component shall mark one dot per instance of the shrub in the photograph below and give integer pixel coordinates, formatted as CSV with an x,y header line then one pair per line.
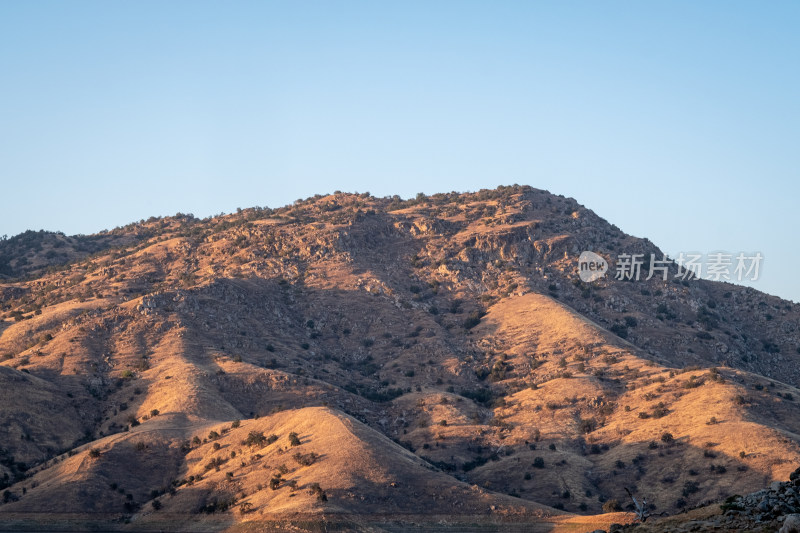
x,y
255,438
307,459
588,425
538,462
472,320
619,330
483,396
94,453
690,487
667,437
316,489
215,463
294,440
732,503
660,411
275,482
692,383
612,506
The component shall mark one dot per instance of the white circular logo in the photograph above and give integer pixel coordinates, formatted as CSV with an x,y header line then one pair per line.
x,y
591,267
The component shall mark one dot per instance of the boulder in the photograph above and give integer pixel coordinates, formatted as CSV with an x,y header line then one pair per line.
x,y
791,524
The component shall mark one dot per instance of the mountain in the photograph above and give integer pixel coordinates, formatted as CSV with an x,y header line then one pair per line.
x,y
380,364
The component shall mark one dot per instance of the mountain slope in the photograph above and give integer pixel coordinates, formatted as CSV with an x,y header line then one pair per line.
x,y
454,326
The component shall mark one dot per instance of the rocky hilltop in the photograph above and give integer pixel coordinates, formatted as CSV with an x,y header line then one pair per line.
x,y
383,363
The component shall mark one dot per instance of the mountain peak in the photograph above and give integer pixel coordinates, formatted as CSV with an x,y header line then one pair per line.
x,y
445,347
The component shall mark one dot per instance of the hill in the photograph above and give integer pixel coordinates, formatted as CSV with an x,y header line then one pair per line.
x,y
438,358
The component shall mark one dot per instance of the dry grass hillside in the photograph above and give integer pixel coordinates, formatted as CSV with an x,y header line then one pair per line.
x,y
431,361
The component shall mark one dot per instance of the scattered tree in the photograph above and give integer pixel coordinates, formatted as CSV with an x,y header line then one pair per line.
x,y
255,438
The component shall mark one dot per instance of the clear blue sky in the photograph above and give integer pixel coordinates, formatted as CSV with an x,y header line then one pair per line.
x,y
677,121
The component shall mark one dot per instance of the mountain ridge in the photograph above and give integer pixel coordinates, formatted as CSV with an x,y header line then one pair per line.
x,y
454,325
